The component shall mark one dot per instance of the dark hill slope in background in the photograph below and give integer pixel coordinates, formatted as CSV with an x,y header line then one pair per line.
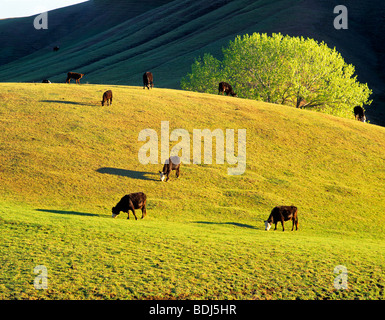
x,y
116,41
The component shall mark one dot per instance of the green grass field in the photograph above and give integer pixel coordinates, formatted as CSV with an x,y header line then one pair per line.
x,y
65,161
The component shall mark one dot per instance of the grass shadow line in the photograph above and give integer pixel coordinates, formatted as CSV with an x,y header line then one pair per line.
x,y
237,224
141,175
68,212
68,102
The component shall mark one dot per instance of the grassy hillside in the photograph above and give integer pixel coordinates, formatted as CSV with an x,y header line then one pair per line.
x,y
66,161
117,41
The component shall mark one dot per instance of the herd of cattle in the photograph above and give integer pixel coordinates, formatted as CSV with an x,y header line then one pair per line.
x,y
148,82
138,200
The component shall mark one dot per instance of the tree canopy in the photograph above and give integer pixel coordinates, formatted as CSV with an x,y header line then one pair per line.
x,y
285,70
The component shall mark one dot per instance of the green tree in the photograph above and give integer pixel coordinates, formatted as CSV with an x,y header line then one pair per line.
x,y
281,69
204,76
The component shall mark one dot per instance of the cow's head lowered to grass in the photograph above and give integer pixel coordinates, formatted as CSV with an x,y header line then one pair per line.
x,y
162,176
115,212
267,225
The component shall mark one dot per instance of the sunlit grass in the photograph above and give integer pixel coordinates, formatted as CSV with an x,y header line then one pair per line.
x,y
66,161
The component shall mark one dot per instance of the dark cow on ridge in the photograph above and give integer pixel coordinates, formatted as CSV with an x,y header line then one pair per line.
x,y
46,81
131,202
282,213
172,163
56,48
107,97
224,87
74,75
148,80
359,114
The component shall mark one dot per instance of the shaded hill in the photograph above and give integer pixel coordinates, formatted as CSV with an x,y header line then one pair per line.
x,y
116,41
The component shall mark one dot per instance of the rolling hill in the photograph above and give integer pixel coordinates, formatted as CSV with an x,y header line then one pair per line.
x,y
114,42
66,161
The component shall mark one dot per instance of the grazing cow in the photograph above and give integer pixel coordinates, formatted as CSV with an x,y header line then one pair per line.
x,y
74,75
56,48
46,81
148,80
282,213
173,163
224,87
359,114
131,202
301,102
107,97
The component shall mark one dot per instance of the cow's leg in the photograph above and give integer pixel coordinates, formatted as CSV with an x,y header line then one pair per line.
x,y
144,212
275,226
292,228
283,227
168,176
133,212
177,173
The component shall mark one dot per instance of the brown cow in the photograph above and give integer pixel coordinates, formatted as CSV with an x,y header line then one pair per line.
x,y
172,163
107,97
148,80
74,75
282,213
224,87
359,114
131,202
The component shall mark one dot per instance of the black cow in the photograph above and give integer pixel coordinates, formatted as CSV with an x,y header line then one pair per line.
x,y
131,202
74,75
224,87
359,114
107,97
148,80
56,48
172,163
282,213
46,81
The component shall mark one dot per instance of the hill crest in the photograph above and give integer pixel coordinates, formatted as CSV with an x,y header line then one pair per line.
x,y
114,42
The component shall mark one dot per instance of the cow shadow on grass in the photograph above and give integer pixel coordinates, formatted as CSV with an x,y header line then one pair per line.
x,y
68,102
141,175
68,212
242,225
